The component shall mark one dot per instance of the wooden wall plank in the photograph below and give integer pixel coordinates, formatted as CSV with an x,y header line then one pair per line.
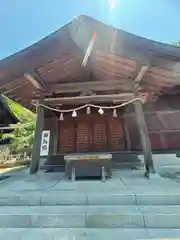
x,y
92,133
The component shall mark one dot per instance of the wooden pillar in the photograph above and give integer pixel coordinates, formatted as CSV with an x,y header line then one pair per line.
x,y
127,135
34,166
56,135
148,161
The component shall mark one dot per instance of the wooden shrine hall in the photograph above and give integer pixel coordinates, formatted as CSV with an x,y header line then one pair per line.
x,y
97,89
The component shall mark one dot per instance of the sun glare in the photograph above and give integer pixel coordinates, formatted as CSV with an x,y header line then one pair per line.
x,y
112,4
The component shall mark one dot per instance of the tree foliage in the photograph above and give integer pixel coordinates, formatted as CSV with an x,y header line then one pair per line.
x,y
23,134
177,44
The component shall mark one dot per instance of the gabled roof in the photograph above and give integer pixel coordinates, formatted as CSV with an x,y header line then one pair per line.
x,y
80,31
58,57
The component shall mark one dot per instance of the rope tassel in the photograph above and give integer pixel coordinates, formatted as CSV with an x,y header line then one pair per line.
x,y
88,110
61,118
101,111
114,113
74,114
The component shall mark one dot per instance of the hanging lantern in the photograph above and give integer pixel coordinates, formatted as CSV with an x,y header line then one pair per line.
x,y
74,114
88,110
100,111
61,118
114,113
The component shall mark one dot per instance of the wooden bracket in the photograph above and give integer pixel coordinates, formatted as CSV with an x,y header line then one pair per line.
x,y
35,80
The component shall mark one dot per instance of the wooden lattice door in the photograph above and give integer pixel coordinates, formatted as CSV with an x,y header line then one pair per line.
x,y
83,136
116,134
91,134
99,134
67,136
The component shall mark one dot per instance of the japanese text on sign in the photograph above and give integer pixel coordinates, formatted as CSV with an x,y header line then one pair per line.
x,y
45,143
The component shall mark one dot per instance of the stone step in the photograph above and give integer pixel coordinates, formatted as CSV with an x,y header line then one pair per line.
x,y
90,217
86,234
125,197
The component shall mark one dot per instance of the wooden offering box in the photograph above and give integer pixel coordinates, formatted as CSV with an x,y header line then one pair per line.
x,y
88,165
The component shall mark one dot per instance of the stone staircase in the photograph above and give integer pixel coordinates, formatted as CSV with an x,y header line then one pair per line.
x,y
92,210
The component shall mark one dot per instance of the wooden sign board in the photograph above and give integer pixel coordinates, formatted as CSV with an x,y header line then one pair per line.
x,y
45,143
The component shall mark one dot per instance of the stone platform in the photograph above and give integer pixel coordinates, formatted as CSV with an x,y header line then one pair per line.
x,y
48,206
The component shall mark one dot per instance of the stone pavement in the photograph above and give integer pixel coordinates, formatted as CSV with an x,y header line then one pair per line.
x,y
86,234
48,206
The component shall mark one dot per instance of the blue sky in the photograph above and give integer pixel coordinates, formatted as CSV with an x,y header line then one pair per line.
x,y
24,22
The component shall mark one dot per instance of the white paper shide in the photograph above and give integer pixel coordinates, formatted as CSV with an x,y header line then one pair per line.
x,y
45,143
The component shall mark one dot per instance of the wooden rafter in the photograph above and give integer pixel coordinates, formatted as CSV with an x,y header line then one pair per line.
x,y
35,80
114,59
141,74
113,68
111,74
11,84
14,88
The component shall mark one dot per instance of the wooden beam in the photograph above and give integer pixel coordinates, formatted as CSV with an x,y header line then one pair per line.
x,y
56,127
90,99
14,88
127,135
37,140
93,86
10,84
87,93
141,123
18,99
141,74
35,81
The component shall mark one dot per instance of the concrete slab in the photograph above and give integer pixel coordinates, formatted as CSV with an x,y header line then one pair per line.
x,y
62,198
86,186
43,210
20,183
164,233
114,217
157,198
45,234
86,234
58,221
43,216
20,199
71,234
114,221
71,216
160,209
161,216
15,221
159,221
50,189
123,198
109,234
55,234
11,233
90,204
127,180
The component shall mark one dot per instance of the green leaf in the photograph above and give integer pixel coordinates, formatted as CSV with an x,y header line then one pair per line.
x,y
23,133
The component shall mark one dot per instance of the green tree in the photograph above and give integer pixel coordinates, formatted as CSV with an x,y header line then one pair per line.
x,y
177,43
23,134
